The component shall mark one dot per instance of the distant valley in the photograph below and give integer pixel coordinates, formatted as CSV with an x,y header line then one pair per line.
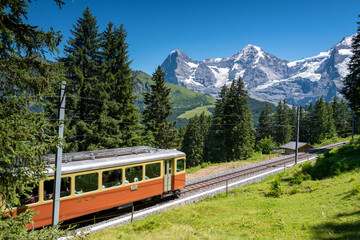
x,y
186,103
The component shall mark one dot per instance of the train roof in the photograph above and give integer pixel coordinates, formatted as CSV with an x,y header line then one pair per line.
x,y
92,160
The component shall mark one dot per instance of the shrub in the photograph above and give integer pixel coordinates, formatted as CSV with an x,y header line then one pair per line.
x,y
276,190
266,145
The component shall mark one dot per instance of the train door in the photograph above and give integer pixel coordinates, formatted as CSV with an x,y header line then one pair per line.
x,y
167,175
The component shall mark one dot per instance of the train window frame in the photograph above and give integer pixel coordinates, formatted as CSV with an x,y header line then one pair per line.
x,y
114,186
126,182
160,171
52,178
22,205
77,193
184,165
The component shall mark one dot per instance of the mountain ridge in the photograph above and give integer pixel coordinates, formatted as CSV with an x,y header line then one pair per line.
x,y
266,77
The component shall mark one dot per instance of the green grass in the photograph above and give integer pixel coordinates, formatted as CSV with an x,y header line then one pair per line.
x,y
334,140
197,111
325,209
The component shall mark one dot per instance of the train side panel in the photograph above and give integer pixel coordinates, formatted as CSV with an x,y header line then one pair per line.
x,y
93,202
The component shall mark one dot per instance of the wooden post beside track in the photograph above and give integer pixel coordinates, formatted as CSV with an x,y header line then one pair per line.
x,y
132,213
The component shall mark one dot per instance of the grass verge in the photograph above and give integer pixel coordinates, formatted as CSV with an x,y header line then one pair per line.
x,y
325,209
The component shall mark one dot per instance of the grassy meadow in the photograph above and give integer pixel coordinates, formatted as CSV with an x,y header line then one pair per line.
x,y
320,200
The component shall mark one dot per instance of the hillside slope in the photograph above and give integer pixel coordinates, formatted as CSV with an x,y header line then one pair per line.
x,y
186,103
325,209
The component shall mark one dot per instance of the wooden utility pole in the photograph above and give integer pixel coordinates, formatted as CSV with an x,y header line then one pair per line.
x,y
58,157
297,135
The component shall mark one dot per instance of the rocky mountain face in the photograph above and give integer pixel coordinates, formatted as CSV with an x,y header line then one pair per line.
x,y
266,77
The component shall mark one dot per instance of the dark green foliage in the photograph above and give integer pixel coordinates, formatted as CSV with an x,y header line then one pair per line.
x,y
303,175
323,123
82,65
217,131
335,162
193,143
15,228
276,189
116,127
266,145
282,122
24,134
231,135
342,117
157,111
305,123
351,89
265,127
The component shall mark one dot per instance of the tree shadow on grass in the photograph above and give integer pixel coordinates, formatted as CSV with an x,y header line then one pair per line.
x,y
336,230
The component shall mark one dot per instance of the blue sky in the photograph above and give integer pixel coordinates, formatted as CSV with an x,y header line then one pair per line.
x,y
290,30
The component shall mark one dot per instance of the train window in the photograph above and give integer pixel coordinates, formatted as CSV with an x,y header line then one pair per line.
x,y
31,197
152,171
86,183
180,165
133,174
111,178
64,188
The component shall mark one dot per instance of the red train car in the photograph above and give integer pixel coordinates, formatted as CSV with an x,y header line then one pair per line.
x,y
96,180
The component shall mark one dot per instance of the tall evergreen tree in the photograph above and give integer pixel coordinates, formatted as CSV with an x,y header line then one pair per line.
x,y
323,125
82,63
241,138
215,144
283,131
231,134
157,110
341,116
305,124
351,89
265,128
118,121
193,143
24,82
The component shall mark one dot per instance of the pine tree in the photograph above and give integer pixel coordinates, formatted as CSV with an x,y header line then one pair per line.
x,y
265,128
242,136
118,122
305,124
283,131
351,89
341,116
157,110
215,146
231,134
25,80
82,64
323,124
194,139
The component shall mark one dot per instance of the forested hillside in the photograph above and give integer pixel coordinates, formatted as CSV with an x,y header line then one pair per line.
x,y
186,103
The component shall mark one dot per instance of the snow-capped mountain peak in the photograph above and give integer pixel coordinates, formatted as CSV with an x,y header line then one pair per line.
x,y
265,76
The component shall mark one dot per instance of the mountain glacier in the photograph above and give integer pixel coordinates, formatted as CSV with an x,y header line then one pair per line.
x,y
266,77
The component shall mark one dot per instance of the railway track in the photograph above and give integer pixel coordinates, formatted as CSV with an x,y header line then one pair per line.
x,y
191,189
254,169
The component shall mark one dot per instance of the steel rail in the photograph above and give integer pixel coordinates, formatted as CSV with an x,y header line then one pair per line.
x,y
248,171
